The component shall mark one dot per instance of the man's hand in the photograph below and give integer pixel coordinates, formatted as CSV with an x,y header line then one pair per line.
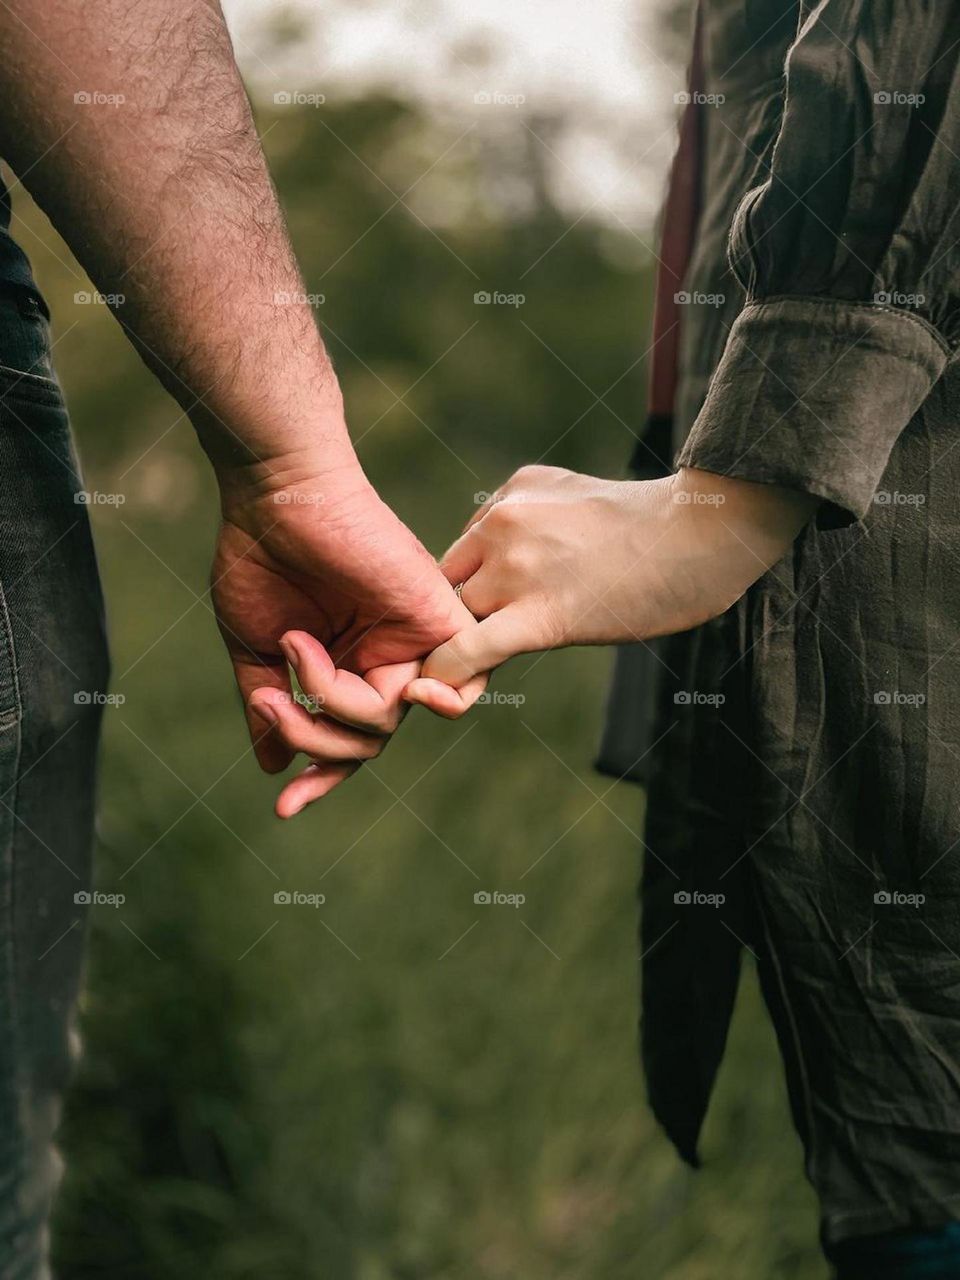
x,y
557,558
314,571
163,194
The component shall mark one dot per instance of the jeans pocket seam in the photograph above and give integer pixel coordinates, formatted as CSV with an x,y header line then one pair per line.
x,y
12,713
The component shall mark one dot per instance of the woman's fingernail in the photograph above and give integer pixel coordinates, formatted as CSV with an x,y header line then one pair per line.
x,y
290,652
265,711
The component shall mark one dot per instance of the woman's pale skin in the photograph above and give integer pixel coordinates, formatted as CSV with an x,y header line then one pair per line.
x,y
554,558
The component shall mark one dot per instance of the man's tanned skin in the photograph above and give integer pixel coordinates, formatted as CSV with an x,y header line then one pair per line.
x,y
166,199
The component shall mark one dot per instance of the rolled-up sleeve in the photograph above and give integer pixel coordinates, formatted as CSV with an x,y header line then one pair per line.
x,y
847,249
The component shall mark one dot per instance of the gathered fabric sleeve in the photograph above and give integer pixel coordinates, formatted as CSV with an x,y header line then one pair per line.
x,y
848,252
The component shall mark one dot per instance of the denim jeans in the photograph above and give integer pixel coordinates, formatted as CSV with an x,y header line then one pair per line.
x,y
53,671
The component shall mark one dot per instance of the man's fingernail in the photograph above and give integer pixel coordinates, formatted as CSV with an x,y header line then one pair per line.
x,y
290,652
265,711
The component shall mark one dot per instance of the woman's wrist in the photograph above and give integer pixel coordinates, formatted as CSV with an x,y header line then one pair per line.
x,y
768,517
723,534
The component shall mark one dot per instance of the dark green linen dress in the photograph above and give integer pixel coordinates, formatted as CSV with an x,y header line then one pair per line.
x,y
802,754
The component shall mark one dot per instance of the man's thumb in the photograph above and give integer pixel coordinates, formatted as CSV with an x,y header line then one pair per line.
x,y
482,647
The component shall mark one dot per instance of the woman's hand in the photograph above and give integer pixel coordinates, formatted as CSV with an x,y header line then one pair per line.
x,y
556,558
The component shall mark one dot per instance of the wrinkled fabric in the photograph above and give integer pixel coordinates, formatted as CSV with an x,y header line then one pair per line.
x,y
803,755
845,242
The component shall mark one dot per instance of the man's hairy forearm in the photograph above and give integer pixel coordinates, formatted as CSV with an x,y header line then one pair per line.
x,y
165,198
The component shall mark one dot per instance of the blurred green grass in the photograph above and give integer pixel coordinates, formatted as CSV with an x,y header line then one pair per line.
x,y
401,1083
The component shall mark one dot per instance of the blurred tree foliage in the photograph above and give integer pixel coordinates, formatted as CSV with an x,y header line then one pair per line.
x,y
395,1087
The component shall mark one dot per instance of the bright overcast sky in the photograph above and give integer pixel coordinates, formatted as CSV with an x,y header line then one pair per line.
x,y
596,57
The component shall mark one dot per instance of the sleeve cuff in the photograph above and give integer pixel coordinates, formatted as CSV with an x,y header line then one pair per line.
x,y
812,393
